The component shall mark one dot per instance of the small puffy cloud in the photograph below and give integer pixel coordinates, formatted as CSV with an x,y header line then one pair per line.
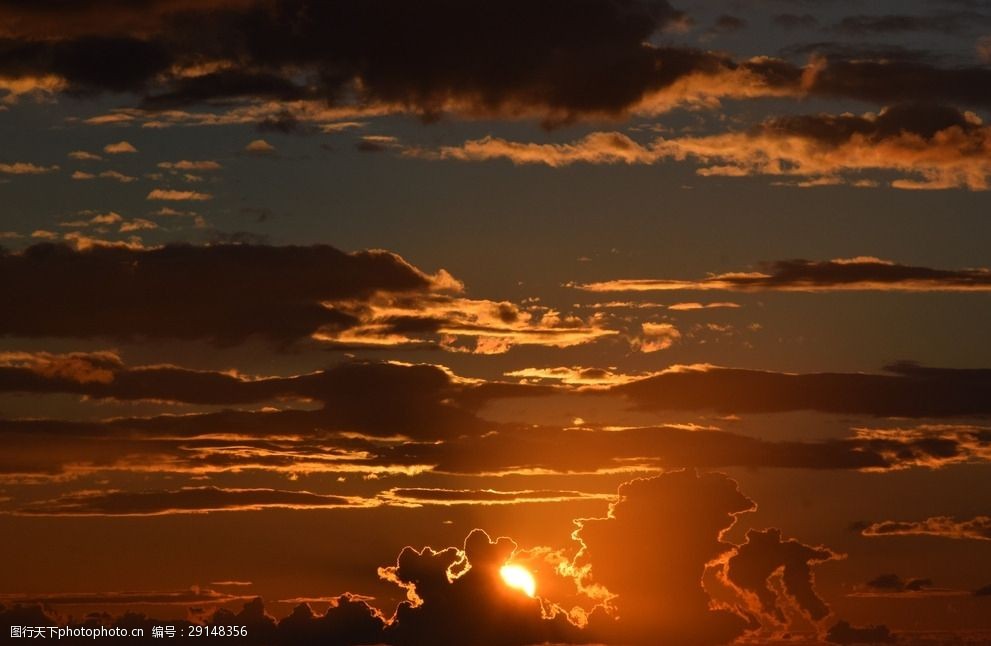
x,y
82,155
119,147
172,195
137,224
94,220
259,147
118,176
657,336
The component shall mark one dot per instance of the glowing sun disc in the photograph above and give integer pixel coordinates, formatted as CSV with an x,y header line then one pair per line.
x,y
516,576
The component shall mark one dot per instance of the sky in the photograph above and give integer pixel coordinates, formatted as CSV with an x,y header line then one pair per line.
x,y
498,322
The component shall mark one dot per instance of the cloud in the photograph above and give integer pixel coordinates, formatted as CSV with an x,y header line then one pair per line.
x,y
591,62
259,147
657,336
187,500
117,176
433,496
977,528
458,324
689,306
843,633
650,552
195,595
907,390
171,195
657,540
137,224
197,165
892,586
753,568
458,596
82,155
932,147
94,220
594,148
863,273
74,367
25,168
573,375
119,148
235,290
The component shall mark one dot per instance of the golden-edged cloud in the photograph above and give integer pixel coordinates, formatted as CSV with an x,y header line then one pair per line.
x,y
863,273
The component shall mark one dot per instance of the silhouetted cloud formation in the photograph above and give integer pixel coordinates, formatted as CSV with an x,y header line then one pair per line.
x,y
907,390
184,501
844,274
651,551
764,554
656,542
223,293
459,596
843,633
976,528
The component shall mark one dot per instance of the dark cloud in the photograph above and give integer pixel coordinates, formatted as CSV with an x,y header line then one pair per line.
x,y
905,391
284,122
223,293
532,449
485,58
656,542
764,556
369,146
946,23
843,633
188,500
853,274
348,620
650,552
983,592
894,583
459,596
977,528
292,49
192,596
840,51
890,82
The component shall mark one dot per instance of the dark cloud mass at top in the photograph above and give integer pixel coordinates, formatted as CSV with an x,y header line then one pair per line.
x,y
556,60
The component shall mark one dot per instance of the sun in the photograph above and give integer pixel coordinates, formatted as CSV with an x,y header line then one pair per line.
x,y
517,576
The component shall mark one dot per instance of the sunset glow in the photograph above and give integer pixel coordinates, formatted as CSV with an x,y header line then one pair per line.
x,y
364,321
517,576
